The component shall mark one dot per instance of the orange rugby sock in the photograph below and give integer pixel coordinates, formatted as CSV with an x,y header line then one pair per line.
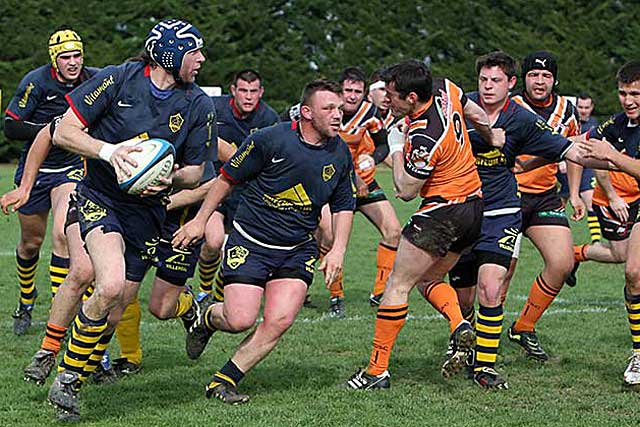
x,y
53,337
580,253
389,321
386,257
541,296
444,299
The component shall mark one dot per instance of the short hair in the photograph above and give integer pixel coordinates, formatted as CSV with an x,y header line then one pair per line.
x,y
498,59
248,75
410,76
585,96
317,86
629,72
377,75
354,74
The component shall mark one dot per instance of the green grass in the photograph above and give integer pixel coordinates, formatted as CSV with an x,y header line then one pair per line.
x,y
585,331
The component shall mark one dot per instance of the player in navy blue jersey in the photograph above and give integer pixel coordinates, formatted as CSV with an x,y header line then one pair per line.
x,y
292,170
617,141
38,100
490,258
238,115
152,98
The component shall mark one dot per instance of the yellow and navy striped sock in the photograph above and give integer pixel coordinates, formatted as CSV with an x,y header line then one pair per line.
x,y
58,270
128,333
594,227
85,335
26,269
488,330
470,316
96,356
632,302
218,292
206,271
230,374
184,304
88,292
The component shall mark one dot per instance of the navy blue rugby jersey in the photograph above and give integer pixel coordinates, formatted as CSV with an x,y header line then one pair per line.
x,y
117,105
621,133
234,129
526,133
39,98
288,182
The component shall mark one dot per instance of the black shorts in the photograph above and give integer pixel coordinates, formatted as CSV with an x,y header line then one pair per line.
x,y
250,263
542,209
448,228
139,225
613,229
376,194
176,266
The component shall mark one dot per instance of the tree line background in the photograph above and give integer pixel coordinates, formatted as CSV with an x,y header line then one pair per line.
x,y
293,41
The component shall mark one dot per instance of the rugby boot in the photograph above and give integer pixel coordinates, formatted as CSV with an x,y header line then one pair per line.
x,y
198,334
225,391
124,368
461,345
572,279
63,395
530,342
361,380
375,299
40,367
489,379
336,308
632,373
308,303
22,319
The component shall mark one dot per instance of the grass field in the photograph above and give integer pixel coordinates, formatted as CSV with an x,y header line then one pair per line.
x,y
585,331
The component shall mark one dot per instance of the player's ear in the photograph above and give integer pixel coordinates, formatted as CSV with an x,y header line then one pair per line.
x,y
512,82
305,111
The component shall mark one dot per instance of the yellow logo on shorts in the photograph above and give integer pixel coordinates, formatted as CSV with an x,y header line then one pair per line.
x,y
76,174
310,265
327,172
508,242
178,262
236,256
92,212
175,122
151,249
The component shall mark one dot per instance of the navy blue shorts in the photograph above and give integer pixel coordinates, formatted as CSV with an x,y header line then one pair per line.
x,y
588,182
253,264
40,197
496,245
176,266
138,224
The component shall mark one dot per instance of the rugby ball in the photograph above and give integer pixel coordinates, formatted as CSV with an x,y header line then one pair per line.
x,y
155,161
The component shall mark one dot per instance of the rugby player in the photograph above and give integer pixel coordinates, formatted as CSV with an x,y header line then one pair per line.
x,y
38,99
622,133
292,170
544,219
155,98
584,107
437,163
487,264
239,115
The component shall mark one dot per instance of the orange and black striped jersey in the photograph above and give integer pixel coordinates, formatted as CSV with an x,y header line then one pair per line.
x,y
438,149
625,137
561,115
359,131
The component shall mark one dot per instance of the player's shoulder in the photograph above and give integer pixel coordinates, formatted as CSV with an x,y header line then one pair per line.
x,y
40,75
221,102
616,121
268,112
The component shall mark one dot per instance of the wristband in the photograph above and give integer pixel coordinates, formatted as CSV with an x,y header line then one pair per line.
x,y
106,151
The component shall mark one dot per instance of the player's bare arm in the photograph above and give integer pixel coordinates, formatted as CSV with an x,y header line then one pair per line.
x,y
333,261
478,117
194,229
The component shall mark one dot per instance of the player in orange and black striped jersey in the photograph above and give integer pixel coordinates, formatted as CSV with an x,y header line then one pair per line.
x,y
544,220
433,159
